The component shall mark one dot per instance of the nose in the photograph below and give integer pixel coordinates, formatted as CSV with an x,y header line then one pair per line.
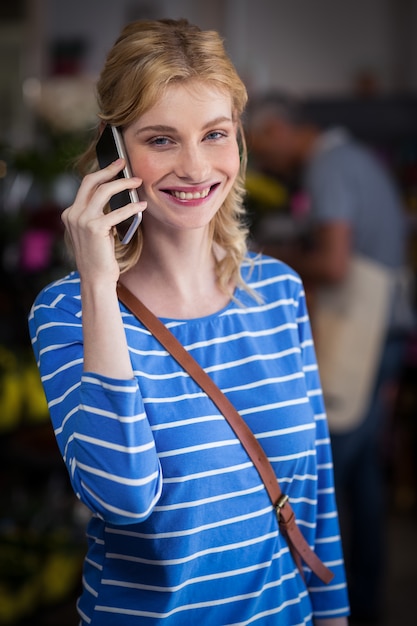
x,y
193,164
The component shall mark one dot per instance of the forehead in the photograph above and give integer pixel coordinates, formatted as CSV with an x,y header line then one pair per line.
x,y
200,99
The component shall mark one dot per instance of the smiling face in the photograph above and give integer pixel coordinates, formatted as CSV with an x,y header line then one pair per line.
x,y
185,150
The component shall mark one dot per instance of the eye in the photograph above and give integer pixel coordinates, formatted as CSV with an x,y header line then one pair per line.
x,y
216,134
159,141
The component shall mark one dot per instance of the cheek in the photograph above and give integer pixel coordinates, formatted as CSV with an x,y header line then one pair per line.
x,y
146,168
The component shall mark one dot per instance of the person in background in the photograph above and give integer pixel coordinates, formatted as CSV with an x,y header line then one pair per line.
x,y
354,209
182,528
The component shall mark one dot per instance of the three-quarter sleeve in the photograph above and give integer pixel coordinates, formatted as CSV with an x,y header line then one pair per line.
x,y
100,423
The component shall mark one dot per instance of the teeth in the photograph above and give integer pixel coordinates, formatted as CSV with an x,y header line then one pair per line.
x,y
182,195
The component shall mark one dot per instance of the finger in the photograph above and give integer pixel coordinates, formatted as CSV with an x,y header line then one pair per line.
x,y
101,225
93,181
105,192
79,214
123,213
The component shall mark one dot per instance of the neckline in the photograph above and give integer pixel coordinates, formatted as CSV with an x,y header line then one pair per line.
x,y
173,321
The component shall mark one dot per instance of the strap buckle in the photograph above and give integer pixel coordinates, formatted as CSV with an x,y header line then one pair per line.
x,y
282,501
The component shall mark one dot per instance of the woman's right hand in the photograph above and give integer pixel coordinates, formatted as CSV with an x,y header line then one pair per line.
x,y
91,230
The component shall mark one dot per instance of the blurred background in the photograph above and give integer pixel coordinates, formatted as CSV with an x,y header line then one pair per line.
x,y
354,62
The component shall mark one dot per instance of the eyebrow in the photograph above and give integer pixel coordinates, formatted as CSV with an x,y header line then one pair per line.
x,y
162,128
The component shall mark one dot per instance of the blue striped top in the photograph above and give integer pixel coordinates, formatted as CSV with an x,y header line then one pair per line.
x,y
183,531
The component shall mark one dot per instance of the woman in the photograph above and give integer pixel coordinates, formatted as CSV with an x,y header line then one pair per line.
x,y
183,531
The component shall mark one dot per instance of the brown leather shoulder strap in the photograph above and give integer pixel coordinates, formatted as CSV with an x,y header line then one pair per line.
x,y
298,545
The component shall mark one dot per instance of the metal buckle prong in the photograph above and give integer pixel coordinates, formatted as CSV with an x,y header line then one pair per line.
x,y
282,501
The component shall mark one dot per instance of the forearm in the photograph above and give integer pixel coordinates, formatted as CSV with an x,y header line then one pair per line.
x,y
105,345
90,230
335,621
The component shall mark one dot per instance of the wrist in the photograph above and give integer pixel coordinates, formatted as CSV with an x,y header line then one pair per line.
x,y
97,288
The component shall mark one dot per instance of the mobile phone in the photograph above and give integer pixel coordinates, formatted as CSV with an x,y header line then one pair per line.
x,y
110,147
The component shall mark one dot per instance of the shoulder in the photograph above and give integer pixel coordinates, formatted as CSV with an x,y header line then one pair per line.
x,y
64,293
265,275
57,309
257,265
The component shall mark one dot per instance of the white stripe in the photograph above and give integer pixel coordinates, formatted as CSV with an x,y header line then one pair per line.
x,y
94,564
54,347
189,504
209,603
170,376
269,332
89,588
307,343
323,442
291,457
197,579
121,480
127,420
138,417
148,352
68,416
309,501
130,387
264,382
310,368
274,280
64,367
331,515
251,359
58,400
114,446
60,297
335,563
55,325
205,446
134,327
333,539
245,333
192,531
173,399
312,393
343,611
188,422
286,431
82,614
215,472
117,511
261,308
329,490
254,385
196,555
278,609
279,405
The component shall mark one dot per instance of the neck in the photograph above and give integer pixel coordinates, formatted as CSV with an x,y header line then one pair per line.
x,y
175,276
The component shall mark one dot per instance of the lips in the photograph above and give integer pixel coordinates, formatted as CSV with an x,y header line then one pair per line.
x,y
187,195
182,194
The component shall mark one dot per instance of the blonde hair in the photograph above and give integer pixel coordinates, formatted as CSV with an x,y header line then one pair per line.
x,y
148,57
